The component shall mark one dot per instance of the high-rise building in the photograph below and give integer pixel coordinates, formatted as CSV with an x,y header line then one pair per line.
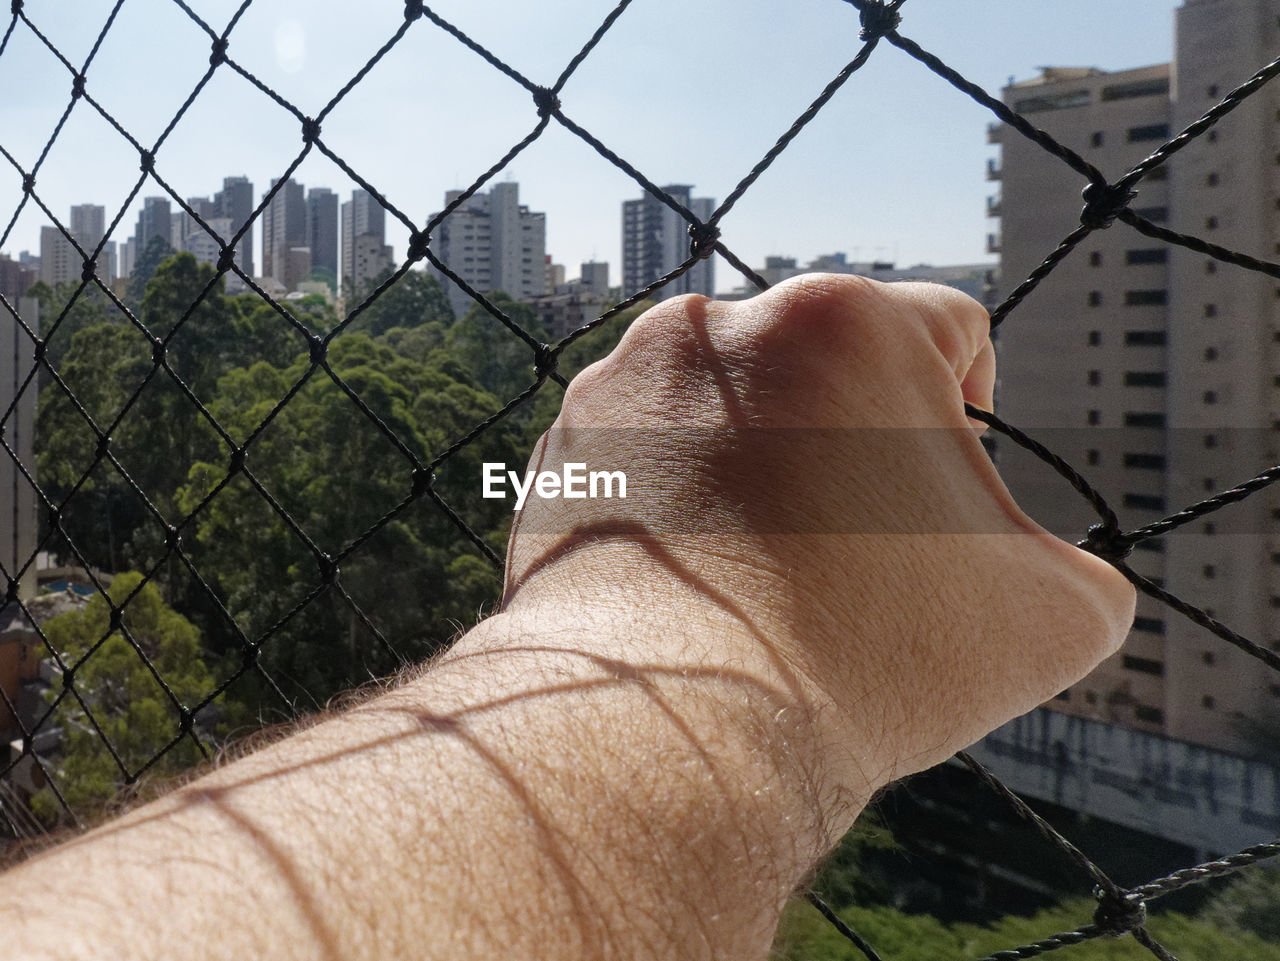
x,y
365,253
59,262
18,518
234,203
493,242
655,241
284,228
15,279
1154,369
322,230
154,220
595,277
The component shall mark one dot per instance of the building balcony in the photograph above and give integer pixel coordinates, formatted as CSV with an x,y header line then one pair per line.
x,y
993,132
993,169
993,243
993,206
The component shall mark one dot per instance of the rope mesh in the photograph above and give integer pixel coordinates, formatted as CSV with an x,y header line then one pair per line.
x,y
319,565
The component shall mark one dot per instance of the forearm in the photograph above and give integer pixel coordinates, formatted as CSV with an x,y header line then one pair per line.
x,y
548,789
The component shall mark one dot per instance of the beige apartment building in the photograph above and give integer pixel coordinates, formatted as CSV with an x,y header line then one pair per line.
x,y
1155,370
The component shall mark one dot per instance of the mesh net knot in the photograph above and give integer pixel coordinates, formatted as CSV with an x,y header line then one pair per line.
x,y
418,245
412,9
703,239
226,259
15,8
238,458
545,361
877,20
1108,542
147,161
28,183
422,479
310,130
328,568
158,352
87,269
1119,913
319,350
547,101
1103,202
172,537
11,593
218,54
77,87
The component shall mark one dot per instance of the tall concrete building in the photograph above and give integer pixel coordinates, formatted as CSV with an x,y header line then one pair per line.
x,y
493,242
365,253
1154,369
154,220
284,229
322,229
59,262
234,203
655,241
18,517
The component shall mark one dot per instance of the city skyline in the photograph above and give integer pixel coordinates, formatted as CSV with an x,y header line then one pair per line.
x,y
895,128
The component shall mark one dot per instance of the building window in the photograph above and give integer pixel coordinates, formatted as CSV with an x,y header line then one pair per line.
x,y
1209,396
1207,658
1211,180
1095,418
1144,461
1092,456
1144,664
1144,338
1212,91
1143,502
1212,136
1274,689
1095,259
1209,571
1151,131
1275,558
1144,378
1211,353
1155,255
1095,298
1210,441
1207,702
1095,338
1143,419
1209,485
1210,266
1211,223
1146,298
1152,715
1096,139
1095,378
1209,527
1211,310
1275,601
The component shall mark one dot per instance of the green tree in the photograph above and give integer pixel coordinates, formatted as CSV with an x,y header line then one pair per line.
x,y
125,700
333,473
412,301
905,937
64,313
1250,903
501,361
152,255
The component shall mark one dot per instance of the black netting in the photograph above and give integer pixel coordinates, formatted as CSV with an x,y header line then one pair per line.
x,y
228,497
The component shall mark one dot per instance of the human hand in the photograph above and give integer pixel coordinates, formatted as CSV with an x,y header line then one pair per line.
x,y
802,462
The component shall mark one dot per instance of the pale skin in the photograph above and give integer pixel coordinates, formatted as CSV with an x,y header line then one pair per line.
x,y
686,697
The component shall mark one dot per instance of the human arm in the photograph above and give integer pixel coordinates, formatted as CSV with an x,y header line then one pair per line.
x,y
687,696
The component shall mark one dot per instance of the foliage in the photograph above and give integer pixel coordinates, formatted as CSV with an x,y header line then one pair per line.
x,y
125,700
154,253
1250,903
412,301
804,934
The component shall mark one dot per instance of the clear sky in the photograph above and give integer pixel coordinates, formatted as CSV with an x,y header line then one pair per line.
x,y
689,91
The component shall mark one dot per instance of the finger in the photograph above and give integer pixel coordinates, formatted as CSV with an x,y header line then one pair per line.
x,y
979,384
